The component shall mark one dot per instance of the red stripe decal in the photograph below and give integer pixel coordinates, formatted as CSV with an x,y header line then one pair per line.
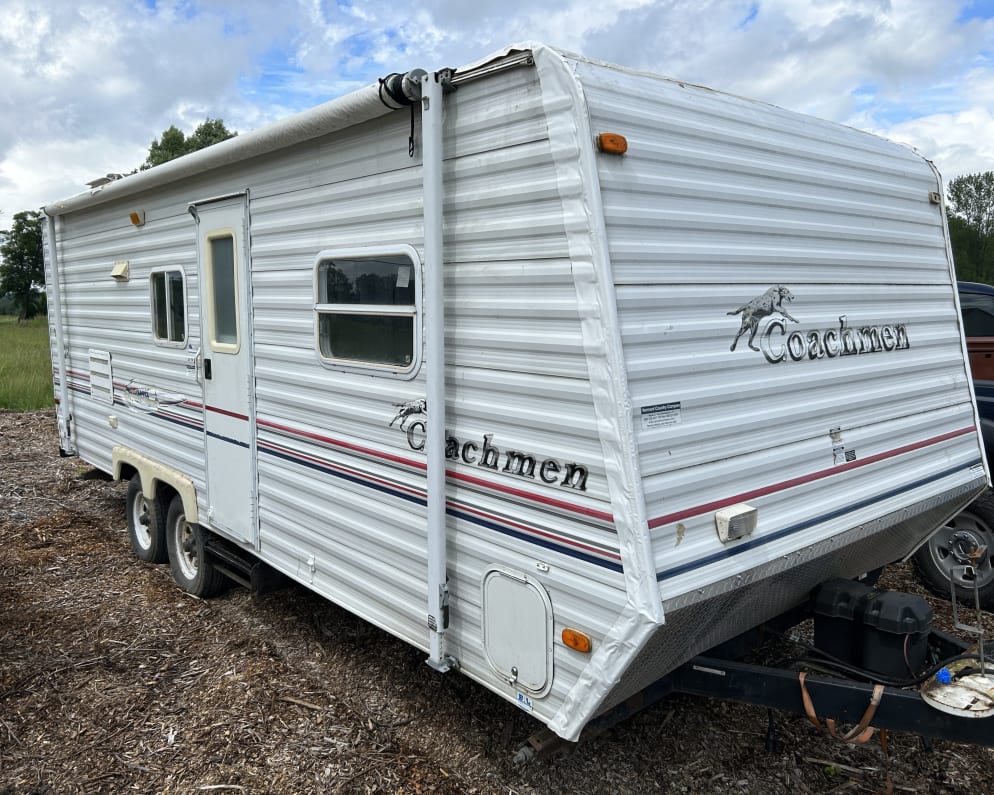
x,y
455,505
566,506
344,445
459,476
345,470
534,530
803,479
227,413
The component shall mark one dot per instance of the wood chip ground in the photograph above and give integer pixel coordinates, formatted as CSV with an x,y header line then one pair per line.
x,y
114,681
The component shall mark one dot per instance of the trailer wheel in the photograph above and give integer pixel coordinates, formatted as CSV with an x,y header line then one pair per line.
x,y
188,559
946,551
146,524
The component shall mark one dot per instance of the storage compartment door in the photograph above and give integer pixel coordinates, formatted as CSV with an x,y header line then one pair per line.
x,y
517,629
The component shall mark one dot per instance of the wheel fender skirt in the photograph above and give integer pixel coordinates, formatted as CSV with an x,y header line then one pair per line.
x,y
152,473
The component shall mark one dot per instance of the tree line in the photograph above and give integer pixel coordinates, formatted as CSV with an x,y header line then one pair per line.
x,y
970,211
22,269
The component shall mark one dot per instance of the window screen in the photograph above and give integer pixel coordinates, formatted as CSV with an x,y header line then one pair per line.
x,y
366,310
225,315
168,307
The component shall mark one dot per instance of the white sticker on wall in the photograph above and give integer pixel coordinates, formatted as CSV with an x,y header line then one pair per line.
x,y
661,415
524,702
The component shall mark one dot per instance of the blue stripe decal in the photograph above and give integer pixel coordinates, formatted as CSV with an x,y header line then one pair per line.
x,y
545,543
574,553
228,440
676,571
344,476
190,424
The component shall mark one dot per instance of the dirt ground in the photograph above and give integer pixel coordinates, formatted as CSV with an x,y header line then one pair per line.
x,y
113,681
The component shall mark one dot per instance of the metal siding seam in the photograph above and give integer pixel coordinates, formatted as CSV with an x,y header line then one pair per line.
x,y
959,312
254,521
571,142
57,346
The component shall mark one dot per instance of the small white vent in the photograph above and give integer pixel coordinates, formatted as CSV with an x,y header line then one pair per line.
x,y
101,377
736,521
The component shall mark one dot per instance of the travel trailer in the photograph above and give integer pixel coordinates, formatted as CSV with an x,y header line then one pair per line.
x,y
560,372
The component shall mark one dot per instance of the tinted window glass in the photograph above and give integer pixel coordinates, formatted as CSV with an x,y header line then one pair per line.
x,y
383,280
168,307
367,338
160,312
366,310
223,288
177,310
978,314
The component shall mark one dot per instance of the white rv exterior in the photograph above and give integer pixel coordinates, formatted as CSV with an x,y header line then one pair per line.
x,y
681,386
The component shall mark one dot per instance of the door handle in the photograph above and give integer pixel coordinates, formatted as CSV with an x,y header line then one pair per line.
x,y
207,369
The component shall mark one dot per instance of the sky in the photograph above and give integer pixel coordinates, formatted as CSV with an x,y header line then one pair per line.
x,y
85,86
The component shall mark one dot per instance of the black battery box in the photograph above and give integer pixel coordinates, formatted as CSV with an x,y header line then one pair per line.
x,y
885,632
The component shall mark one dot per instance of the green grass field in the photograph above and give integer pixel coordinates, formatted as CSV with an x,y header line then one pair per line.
x,y
25,366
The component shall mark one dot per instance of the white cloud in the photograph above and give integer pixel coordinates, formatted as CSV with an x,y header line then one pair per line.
x,y
959,143
86,85
41,172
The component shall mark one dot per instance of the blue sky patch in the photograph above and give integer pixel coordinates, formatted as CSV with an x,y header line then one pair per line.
x,y
978,9
750,16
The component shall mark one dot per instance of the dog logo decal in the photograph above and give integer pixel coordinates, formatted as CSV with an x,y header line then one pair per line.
x,y
407,410
769,303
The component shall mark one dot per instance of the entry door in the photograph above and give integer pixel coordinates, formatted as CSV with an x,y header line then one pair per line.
x,y
226,366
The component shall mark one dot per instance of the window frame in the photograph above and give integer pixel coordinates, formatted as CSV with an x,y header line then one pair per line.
x,y
413,311
166,342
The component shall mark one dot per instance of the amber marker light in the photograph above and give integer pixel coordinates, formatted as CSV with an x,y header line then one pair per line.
x,y
138,217
612,143
576,640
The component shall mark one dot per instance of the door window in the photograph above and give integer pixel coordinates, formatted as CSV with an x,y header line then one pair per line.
x,y
223,288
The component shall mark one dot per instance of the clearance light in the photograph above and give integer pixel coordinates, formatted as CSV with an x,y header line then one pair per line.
x,y
576,640
138,217
612,143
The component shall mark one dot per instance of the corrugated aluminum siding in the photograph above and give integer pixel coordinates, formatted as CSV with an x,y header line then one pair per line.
x,y
337,482
341,494
718,200
105,315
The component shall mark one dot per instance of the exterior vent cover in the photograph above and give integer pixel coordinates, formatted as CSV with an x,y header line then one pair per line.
x,y
101,377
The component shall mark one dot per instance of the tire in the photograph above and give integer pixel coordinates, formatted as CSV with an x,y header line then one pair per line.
x,y
146,524
188,559
946,550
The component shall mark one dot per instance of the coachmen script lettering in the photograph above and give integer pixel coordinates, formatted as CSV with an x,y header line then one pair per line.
x,y
777,345
487,455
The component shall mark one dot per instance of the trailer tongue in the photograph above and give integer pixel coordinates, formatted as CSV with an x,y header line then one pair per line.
x,y
853,679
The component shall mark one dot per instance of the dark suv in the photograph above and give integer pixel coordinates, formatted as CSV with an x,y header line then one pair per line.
x,y
973,527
